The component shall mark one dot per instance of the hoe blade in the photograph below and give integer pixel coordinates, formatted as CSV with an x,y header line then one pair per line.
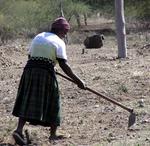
x,y
132,119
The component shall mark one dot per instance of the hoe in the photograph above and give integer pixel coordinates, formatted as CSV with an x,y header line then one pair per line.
x,y
132,117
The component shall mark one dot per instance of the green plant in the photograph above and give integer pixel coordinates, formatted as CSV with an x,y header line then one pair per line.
x,y
123,88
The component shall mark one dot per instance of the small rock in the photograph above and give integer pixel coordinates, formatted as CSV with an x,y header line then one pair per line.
x,y
110,135
147,139
96,106
6,100
145,121
105,128
81,122
141,103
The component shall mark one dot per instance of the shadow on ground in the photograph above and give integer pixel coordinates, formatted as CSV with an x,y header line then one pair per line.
x,y
6,144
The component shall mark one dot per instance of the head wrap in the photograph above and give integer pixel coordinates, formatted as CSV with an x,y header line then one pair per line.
x,y
61,23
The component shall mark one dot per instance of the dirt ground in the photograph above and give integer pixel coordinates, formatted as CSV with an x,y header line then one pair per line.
x,y
87,119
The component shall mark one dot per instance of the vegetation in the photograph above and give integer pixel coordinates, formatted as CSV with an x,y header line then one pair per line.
x,y
26,16
134,8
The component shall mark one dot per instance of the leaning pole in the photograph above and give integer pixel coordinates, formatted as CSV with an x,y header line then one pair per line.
x,y
120,28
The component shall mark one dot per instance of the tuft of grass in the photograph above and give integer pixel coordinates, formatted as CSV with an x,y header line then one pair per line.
x,y
123,88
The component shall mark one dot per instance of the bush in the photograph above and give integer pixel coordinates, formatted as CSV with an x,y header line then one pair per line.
x,y
26,16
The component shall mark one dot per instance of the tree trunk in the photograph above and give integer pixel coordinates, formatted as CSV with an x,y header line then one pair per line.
x,y
85,19
120,29
61,10
77,16
62,15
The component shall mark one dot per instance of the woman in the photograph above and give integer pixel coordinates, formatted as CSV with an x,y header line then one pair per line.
x,y
38,99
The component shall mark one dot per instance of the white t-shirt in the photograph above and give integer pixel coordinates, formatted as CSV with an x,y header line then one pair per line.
x,y
48,45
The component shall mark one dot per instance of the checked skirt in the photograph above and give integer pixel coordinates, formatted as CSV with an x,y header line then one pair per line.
x,y
38,99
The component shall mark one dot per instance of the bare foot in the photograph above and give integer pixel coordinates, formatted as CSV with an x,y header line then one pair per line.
x,y
19,138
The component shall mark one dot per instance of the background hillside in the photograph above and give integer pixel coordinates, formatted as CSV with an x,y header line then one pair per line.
x,y
28,17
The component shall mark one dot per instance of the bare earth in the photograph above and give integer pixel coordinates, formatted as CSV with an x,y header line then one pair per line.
x,y
87,120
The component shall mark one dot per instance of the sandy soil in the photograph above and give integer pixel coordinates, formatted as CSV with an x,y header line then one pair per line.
x,y
87,119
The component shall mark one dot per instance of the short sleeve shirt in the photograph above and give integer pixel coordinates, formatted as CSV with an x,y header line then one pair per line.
x,y
48,45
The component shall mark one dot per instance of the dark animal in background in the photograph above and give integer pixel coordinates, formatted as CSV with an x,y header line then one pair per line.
x,y
94,41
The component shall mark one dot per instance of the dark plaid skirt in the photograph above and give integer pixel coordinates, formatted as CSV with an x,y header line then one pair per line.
x,y
38,100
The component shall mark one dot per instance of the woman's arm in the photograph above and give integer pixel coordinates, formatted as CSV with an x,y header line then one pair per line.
x,y
68,71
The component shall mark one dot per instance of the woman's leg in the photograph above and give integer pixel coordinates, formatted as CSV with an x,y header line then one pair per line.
x,y
53,130
17,134
53,135
21,123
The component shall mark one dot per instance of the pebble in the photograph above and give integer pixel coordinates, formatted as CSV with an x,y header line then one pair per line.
x,y
141,103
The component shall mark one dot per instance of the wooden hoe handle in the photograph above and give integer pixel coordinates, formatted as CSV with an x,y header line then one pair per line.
x,y
99,94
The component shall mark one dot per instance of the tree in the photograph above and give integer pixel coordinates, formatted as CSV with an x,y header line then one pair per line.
x,y
120,29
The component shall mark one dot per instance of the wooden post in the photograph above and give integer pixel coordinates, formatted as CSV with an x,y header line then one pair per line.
x,y
120,28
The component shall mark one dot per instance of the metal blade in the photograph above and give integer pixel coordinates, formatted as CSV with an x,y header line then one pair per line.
x,y
132,119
